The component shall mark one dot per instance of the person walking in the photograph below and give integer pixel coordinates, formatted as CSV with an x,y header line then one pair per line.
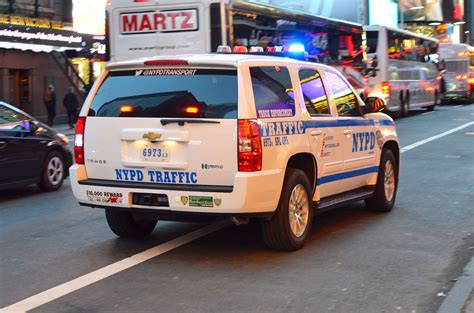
x,y
49,100
71,104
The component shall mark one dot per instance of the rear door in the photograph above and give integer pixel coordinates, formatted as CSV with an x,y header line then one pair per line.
x,y
165,126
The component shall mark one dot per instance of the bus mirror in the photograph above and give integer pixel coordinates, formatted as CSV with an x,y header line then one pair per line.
x,y
373,105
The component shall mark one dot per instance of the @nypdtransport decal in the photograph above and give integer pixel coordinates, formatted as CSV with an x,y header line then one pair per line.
x,y
169,72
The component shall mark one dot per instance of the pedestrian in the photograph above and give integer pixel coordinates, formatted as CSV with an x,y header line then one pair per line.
x,y
71,104
49,100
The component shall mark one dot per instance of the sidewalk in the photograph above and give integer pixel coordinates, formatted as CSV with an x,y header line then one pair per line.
x,y
64,129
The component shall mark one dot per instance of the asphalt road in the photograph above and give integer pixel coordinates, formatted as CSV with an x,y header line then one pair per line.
x,y
354,261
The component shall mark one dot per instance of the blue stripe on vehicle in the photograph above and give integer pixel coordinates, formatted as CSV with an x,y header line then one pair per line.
x,y
387,123
345,175
338,123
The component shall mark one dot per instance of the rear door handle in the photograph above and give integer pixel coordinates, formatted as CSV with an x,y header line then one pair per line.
x,y
316,132
348,131
3,144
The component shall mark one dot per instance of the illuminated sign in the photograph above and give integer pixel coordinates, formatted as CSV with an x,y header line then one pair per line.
x,y
32,22
89,16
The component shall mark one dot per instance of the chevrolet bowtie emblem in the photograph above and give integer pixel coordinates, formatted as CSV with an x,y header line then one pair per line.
x,y
151,136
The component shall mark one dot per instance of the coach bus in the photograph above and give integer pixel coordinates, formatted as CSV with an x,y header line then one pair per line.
x,y
402,67
141,28
457,68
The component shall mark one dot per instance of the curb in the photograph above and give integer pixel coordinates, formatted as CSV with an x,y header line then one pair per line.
x,y
459,294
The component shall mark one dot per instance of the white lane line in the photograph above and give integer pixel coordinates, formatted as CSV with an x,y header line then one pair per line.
x,y
426,113
109,270
422,142
457,106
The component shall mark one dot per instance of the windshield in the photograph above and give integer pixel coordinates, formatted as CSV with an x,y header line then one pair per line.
x,y
189,93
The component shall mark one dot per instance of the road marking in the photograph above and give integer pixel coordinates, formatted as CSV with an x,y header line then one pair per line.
x,y
426,113
457,106
422,142
109,270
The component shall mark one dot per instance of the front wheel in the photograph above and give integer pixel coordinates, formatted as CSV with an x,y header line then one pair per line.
x,y
127,225
387,184
291,223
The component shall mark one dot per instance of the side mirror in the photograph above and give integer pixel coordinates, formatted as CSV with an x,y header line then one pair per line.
x,y
373,105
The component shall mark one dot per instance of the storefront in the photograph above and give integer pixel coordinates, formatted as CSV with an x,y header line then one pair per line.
x,y
33,56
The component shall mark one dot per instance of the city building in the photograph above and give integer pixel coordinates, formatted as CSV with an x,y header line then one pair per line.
x,y
36,40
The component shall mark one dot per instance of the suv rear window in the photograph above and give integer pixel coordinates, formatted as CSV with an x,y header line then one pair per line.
x,y
189,93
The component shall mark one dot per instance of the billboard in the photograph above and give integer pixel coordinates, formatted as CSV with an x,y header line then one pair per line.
x,y
432,10
390,16
89,16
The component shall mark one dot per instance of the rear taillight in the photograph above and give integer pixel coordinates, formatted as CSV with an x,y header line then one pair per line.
x,y
461,77
79,140
385,88
250,146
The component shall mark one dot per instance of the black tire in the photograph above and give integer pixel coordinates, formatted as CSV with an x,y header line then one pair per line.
x,y
53,172
277,233
404,105
126,225
379,202
436,100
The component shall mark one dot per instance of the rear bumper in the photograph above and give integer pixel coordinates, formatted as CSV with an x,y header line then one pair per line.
x,y
251,193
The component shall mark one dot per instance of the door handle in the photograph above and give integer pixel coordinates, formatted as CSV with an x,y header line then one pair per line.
x,y
3,144
348,131
316,132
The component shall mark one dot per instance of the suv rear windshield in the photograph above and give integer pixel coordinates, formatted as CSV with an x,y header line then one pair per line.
x,y
189,93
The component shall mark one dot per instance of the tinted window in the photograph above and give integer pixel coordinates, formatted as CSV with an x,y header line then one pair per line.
x,y
189,93
372,40
13,121
272,91
346,100
314,94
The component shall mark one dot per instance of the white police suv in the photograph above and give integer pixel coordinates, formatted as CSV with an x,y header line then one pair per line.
x,y
242,136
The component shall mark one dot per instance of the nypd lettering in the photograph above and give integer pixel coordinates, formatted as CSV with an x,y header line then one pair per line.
x,y
167,177
363,141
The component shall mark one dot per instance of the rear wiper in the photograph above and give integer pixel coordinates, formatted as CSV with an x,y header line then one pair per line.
x,y
181,122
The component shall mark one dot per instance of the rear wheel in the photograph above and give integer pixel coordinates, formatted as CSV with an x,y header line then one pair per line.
x,y
387,183
127,225
404,105
53,173
291,223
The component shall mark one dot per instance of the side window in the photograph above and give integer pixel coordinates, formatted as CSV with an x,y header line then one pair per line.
x,y
272,91
11,121
346,100
314,94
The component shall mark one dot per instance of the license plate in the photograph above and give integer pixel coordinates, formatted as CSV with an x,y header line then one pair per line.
x,y
155,153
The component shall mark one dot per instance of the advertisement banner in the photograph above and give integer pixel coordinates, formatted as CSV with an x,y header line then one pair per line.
x,y
432,10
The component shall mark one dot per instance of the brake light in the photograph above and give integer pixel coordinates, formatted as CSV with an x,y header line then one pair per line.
x,y
79,140
461,77
165,62
429,88
250,146
471,80
385,88
192,110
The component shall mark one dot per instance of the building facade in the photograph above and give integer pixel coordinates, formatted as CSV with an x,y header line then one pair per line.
x,y
34,38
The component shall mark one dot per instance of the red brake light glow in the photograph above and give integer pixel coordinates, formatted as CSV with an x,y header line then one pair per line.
x,y
79,140
126,108
165,62
192,110
385,88
250,146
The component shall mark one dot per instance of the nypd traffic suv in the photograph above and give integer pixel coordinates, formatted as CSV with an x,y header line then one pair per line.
x,y
242,136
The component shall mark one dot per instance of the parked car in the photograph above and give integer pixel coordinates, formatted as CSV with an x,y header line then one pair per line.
x,y
30,151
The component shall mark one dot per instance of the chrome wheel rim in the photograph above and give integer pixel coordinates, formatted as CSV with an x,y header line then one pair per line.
x,y
55,170
389,180
298,210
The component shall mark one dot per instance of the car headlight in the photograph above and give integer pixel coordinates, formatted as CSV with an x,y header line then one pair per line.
x,y
63,138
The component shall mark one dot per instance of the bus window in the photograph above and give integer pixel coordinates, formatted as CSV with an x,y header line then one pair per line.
x,y
372,40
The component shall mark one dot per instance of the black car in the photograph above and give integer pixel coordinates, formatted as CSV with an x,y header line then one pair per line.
x,y
30,151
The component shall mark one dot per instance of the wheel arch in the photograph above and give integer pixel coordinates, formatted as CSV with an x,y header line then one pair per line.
x,y
307,163
393,146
